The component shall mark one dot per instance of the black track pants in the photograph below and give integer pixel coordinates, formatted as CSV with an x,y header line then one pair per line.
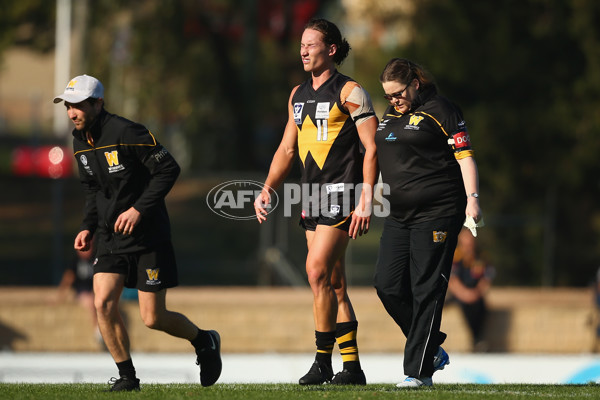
x,y
411,279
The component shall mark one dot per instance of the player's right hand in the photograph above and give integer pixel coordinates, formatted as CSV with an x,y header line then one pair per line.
x,y
83,240
260,204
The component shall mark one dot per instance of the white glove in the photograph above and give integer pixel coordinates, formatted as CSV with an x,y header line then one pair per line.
x,y
472,225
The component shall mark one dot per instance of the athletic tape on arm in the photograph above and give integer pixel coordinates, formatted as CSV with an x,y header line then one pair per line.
x,y
358,102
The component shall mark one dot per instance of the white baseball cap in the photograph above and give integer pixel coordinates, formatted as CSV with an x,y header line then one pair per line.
x,y
80,88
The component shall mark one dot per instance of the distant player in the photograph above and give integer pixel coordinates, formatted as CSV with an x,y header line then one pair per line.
x,y
126,174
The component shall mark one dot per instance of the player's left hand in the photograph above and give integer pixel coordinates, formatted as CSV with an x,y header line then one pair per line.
x,y
361,218
127,221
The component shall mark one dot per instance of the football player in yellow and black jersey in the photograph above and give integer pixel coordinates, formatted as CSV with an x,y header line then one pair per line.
x,y
330,116
425,156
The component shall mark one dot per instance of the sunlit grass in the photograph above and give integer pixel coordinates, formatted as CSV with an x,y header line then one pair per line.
x,y
293,391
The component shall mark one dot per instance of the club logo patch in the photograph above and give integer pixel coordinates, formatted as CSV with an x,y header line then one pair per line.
x,y
413,122
152,276
439,236
112,158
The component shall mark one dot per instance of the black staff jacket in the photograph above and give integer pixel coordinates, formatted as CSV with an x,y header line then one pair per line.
x,y
125,167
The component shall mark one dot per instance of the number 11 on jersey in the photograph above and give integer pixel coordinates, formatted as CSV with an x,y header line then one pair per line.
x,y
321,130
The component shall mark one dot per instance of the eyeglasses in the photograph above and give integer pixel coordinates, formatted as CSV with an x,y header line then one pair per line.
x,y
396,95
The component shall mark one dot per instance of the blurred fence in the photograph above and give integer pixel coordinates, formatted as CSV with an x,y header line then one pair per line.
x,y
257,320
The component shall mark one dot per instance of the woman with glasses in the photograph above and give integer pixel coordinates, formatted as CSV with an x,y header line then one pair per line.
x,y
425,157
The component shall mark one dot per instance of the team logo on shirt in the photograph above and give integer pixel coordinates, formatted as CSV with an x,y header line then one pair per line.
x,y
413,122
439,236
112,158
152,276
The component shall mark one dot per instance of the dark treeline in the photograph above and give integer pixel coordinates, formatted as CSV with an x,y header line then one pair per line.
x,y
214,78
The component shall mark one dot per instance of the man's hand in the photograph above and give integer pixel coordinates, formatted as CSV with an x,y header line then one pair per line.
x,y
127,221
83,240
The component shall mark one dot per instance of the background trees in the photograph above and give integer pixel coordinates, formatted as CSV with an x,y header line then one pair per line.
x,y
214,77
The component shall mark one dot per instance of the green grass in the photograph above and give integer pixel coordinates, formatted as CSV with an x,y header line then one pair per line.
x,y
82,391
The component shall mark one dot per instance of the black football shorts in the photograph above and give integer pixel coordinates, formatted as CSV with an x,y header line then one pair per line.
x,y
149,270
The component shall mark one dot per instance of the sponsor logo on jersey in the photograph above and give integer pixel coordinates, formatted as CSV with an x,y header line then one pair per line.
x,y
162,153
439,236
153,276
382,124
391,137
322,111
461,140
335,187
84,161
334,210
298,107
112,158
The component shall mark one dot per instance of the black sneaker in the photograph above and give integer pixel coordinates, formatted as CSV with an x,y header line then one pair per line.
x,y
317,374
209,360
124,384
346,377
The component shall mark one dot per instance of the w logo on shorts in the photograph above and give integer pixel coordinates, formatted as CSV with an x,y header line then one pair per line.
x,y
152,276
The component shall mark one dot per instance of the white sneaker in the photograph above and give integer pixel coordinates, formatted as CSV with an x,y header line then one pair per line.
x,y
411,382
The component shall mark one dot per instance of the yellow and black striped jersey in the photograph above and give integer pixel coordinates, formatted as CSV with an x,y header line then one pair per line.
x,y
328,142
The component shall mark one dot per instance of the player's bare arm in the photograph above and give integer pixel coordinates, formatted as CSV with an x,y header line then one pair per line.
x,y
281,164
358,104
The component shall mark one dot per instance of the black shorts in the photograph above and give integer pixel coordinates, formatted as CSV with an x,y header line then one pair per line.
x,y
339,221
331,208
149,270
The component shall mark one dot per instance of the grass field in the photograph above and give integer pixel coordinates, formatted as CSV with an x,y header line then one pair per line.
x,y
79,391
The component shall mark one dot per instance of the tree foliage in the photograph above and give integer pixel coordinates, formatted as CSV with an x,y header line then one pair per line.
x,y
214,76
27,22
526,75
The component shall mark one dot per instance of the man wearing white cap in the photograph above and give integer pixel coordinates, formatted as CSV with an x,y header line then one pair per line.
x,y
126,174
